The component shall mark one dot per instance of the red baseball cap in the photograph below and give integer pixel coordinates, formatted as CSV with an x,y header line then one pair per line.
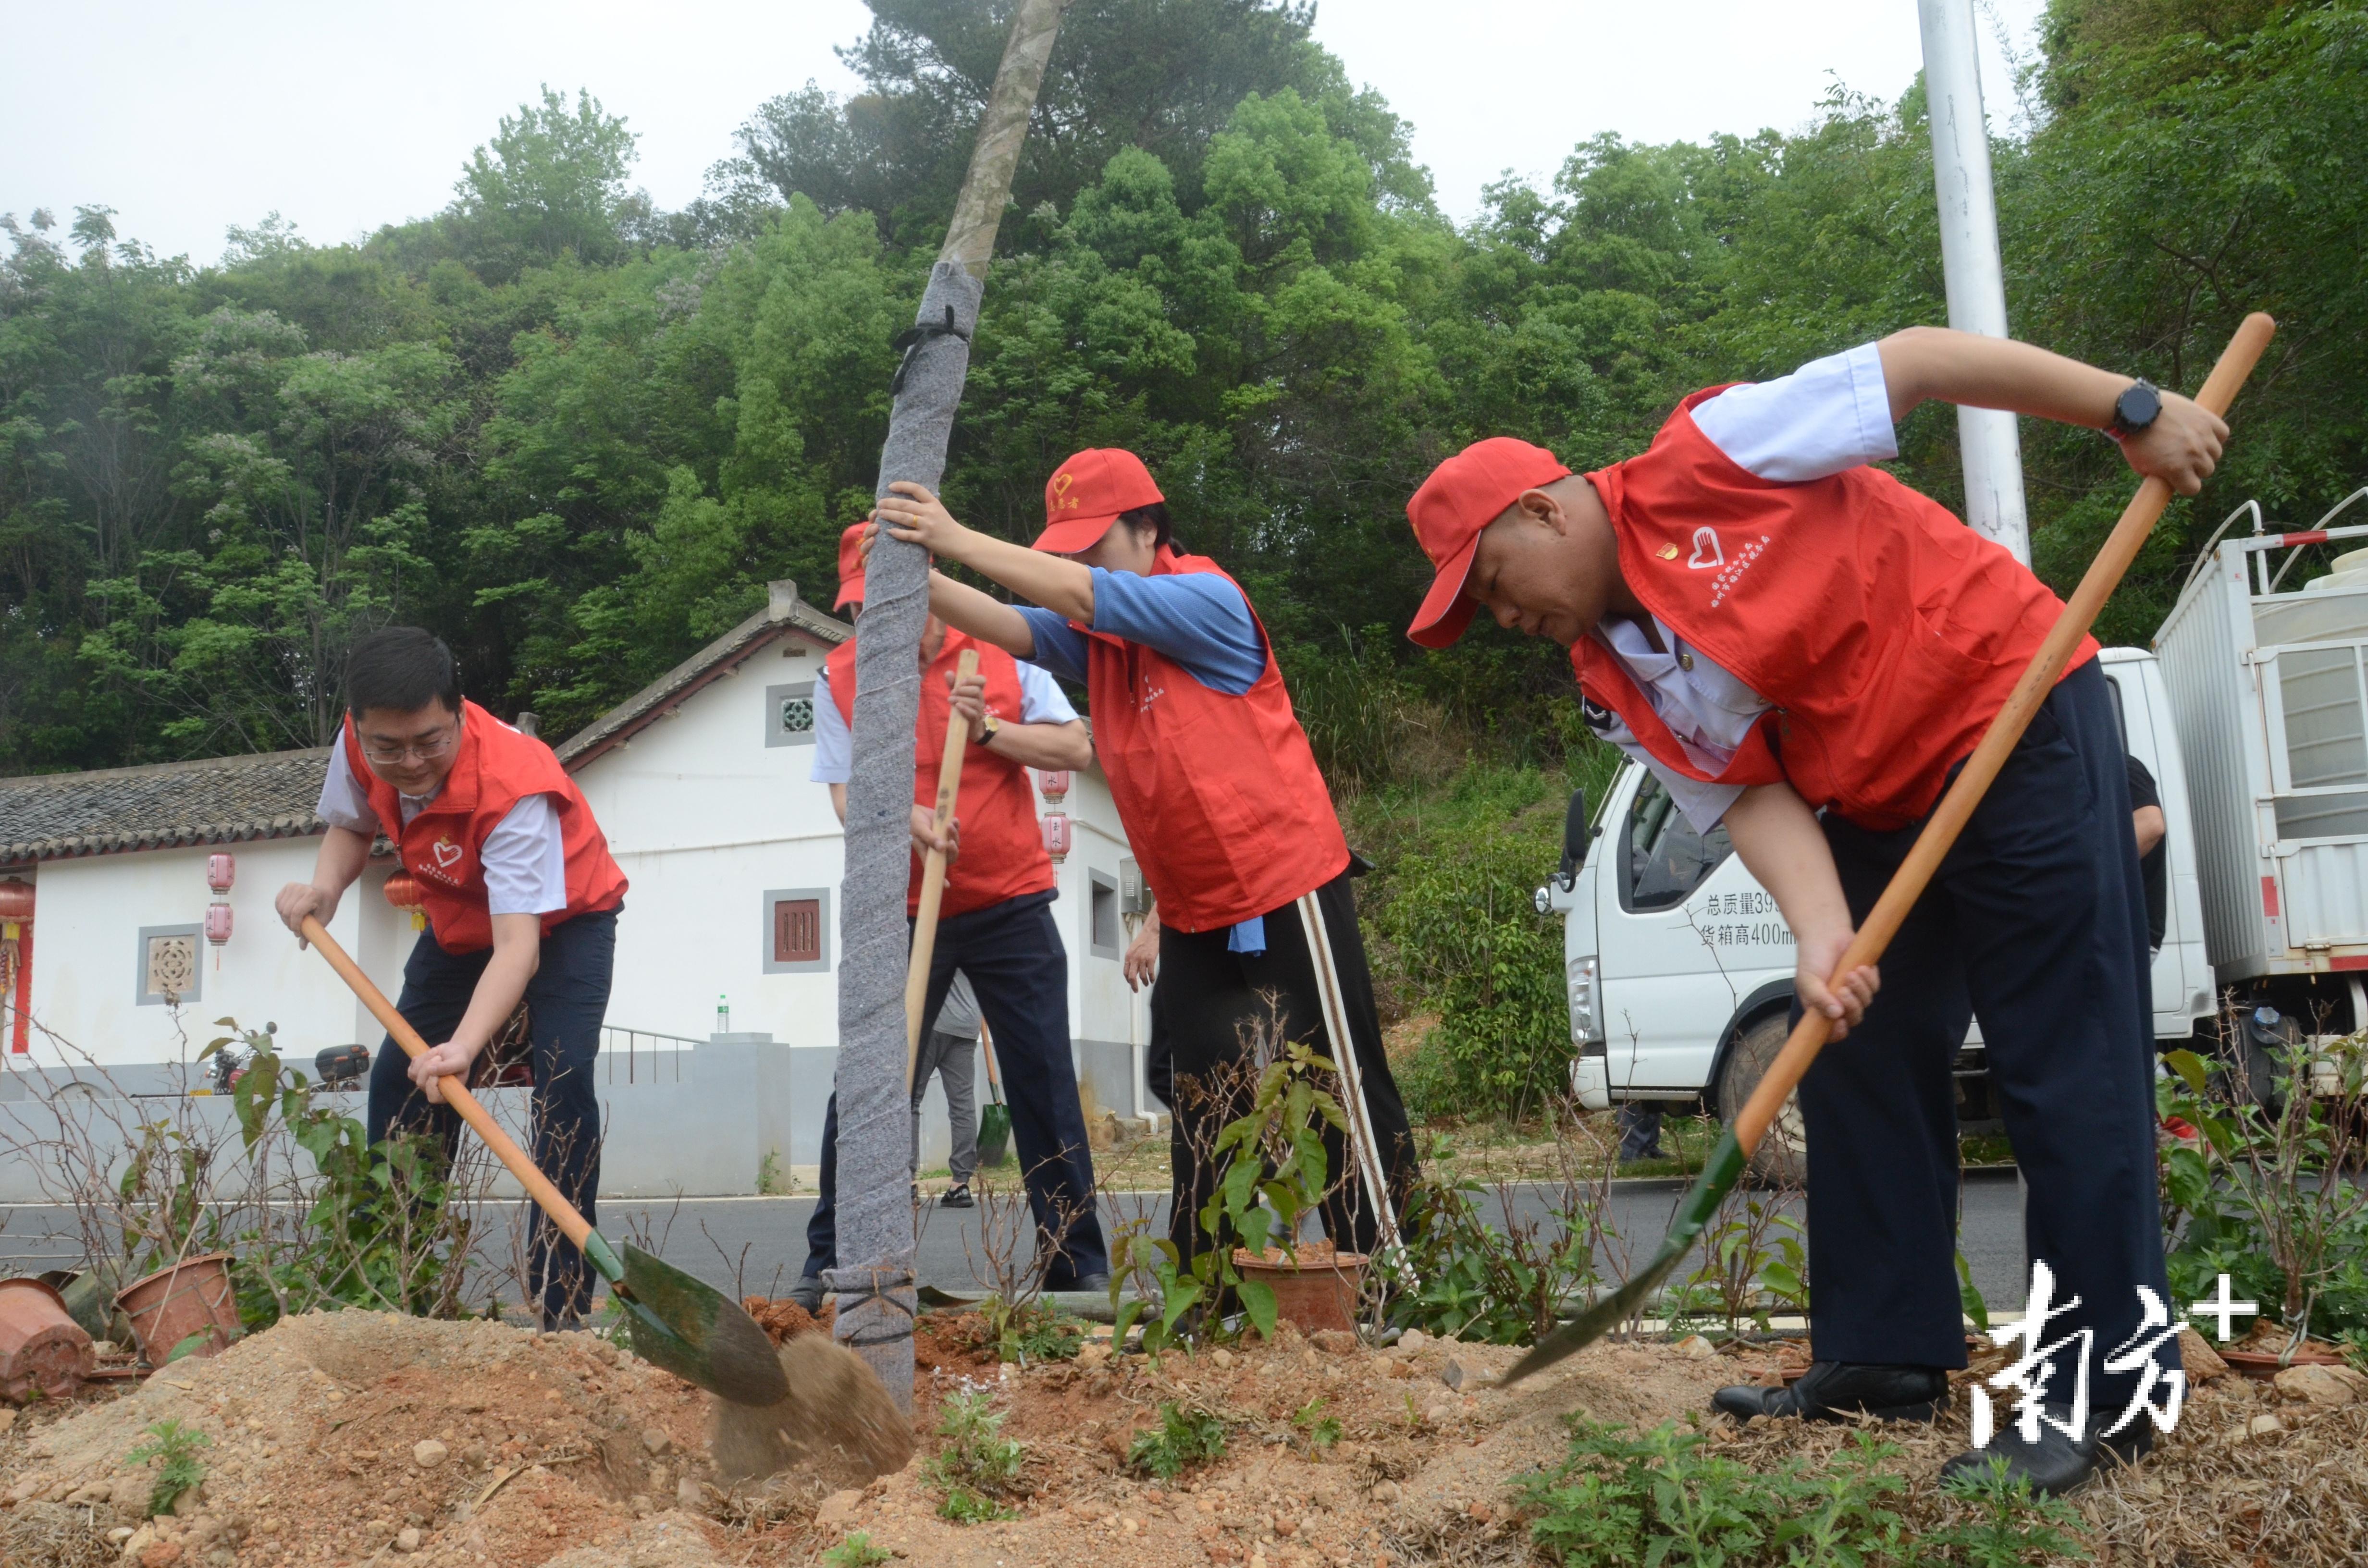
x,y
1463,496
850,564
1086,495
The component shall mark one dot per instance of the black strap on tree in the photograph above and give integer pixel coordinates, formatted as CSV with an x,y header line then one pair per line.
x,y
854,1286
912,338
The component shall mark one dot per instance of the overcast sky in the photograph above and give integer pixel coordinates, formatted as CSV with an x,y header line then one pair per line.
x,y
188,118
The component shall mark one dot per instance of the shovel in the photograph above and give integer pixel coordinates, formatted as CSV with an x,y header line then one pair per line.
x,y
933,875
994,1122
691,1330
1725,1162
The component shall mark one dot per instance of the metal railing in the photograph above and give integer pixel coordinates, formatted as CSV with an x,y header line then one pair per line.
x,y
649,1057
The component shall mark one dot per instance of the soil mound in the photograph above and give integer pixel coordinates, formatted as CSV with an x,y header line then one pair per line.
x,y
333,1437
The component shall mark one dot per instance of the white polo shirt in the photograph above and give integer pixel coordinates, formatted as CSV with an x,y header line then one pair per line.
x,y
1041,702
525,861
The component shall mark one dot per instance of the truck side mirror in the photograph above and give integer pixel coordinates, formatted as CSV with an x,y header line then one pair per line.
x,y
1575,836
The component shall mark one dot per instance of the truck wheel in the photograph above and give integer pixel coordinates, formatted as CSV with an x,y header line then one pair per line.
x,y
1783,1157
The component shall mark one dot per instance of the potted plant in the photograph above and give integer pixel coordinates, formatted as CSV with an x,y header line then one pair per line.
x,y
1274,1172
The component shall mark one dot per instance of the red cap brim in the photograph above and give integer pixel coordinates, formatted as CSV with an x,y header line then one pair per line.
x,y
849,588
1445,610
1071,535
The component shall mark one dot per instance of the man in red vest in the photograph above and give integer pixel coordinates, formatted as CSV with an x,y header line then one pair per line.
x,y
521,899
994,922
1224,805
1805,649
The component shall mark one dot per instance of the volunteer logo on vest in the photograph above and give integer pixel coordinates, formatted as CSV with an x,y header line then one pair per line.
x,y
446,855
1724,584
1706,539
1151,694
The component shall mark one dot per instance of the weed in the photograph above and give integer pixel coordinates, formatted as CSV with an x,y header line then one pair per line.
x,y
2009,1528
769,1182
1029,1332
182,1471
1755,1256
1319,1430
857,1552
1183,1438
977,1464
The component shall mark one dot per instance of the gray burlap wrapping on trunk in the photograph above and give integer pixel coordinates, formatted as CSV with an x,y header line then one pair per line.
x,y
875,1113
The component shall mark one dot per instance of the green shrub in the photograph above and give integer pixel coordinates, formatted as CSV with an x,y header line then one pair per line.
x,y
1183,1438
182,1471
857,1552
977,1464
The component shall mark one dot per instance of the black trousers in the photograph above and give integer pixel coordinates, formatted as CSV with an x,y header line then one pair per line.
x,y
1207,997
1019,971
2036,925
565,1001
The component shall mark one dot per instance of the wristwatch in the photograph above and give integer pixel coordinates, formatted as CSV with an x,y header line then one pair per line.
x,y
2135,408
987,730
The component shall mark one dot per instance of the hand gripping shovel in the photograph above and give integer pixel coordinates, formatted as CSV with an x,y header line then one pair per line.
x,y
1743,1135
692,1331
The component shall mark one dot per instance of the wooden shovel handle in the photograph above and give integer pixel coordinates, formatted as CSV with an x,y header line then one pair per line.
x,y
1948,819
933,875
456,1093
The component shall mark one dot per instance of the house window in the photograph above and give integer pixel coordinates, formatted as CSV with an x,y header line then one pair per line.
x,y
790,714
168,970
797,931
1106,938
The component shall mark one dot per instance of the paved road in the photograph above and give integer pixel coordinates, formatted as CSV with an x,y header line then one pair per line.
x,y
756,1245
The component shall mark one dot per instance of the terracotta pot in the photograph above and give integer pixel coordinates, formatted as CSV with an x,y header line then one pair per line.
x,y
178,1300
42,1350
2264,1364
1320,1290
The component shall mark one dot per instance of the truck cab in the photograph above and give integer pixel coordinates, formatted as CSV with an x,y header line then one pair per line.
x,y
1680,966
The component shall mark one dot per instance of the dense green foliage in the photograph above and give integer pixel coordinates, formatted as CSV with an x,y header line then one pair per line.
x,y
575,434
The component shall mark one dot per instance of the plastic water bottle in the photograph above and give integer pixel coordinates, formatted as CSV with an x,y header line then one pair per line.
x,y
723,1013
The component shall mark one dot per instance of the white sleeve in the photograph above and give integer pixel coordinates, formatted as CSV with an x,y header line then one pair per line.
x,y
1704,803
834,749
525,864
1828,415
1042,701
343,803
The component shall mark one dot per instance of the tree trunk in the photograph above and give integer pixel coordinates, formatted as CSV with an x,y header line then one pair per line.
x,y
875,1217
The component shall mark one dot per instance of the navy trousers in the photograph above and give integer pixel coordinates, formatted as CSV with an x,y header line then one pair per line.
x,y
2035,925
565,1001
1020,970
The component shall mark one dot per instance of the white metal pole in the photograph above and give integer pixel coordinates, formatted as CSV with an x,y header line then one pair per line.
x,y
1969,260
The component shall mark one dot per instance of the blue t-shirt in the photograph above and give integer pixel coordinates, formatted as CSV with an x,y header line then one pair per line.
x,y
1197,619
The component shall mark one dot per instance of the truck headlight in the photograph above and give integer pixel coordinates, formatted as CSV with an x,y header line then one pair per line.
x,y
1585,1024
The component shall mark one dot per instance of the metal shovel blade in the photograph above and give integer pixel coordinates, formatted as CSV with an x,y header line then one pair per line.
x,y
1719,1174
694,1331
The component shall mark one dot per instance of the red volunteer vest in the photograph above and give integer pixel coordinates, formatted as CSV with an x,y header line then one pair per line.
x,y
1222,802
496,768
1885,632
1002,846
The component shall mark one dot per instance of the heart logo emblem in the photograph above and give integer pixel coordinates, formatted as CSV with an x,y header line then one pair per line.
x,y
446,853
1706,551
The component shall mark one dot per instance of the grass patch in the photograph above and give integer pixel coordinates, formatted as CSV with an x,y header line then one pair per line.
x,y
1182,1439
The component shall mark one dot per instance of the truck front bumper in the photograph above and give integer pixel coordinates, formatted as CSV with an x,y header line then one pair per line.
x,y
1591,1081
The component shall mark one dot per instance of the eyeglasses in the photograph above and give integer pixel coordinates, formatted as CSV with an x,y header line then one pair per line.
x,y
425,751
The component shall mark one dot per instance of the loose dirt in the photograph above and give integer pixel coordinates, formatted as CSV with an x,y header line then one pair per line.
x,y
559,1451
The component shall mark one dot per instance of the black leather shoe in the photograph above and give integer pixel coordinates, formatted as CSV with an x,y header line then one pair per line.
x,y
955,1197
2055,1464
807,1292
1840,1391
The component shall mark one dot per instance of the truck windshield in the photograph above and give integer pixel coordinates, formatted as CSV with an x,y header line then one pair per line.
x,y
1667,858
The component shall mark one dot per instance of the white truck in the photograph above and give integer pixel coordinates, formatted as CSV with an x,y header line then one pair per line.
x,y
2251,713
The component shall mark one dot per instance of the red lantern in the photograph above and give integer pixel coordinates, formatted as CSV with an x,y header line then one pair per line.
x,y
15,960
1056,835
1054,784
15,904
221,871
218,928
402,891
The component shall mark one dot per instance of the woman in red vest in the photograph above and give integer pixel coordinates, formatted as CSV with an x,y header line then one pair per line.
x,y
994,923
1221,798
1804,650
521,898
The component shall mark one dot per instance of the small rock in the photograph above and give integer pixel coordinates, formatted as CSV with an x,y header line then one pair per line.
x,y
1093,1353
1455,1374
1696,1346
2317,1384
686,1494
1338,1341
1326,1496
428,1454
2264,1426
1396,1369
2196,1357
90,1492
656,1440
336,1396
836,1509
1222,1357
120,1534
1412,1340
1481,1513
160,1555
1439,1415
1386,1494
1285,1526
407,1538
138,1541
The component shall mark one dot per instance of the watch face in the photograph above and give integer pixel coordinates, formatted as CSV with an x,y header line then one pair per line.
x,y
2137,406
